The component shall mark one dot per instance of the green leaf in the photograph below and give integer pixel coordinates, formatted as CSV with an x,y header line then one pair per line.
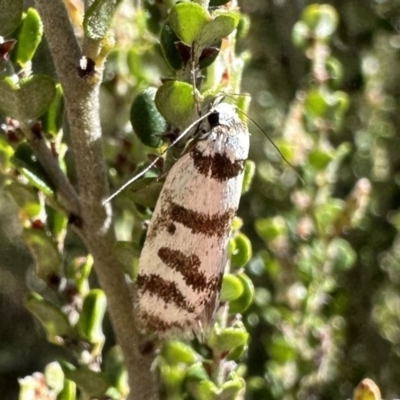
x,y
57,223
204,390
45,252
29,36
249,172
98,18
335,71
282,350
321,19
236,353
147,122
271,228
26,162
320,159
28,99
243,27
145,192
327,213
231,389
231,288
54,321
196,373
26,198
237,224
175,101
223,23
242,303
243,251
342,254
301,35
126,252
226,339
173,377
188,21
94,384
317,102
175,352
340,103
10,15
114,367
193,24
168,40
53,119
91,319
68,392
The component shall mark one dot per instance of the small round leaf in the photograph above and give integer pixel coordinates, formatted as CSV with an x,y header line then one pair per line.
x,y
243,251
168,41
98,18
231,289
147,122
175,352
175,102
227,339
244,301
223,23
188,21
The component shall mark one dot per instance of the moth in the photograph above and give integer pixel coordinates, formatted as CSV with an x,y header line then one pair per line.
x,y
186,248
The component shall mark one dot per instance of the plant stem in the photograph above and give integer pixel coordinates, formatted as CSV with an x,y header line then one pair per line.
x,y
82,109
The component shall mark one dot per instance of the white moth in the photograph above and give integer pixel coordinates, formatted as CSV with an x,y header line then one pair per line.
x,y
185,251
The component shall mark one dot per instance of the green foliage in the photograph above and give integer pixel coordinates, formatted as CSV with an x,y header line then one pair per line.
x,y
313,265
27,99
147,122
94,384
53,320
90,321
193,24
10,15
53,118
98,18
29,36
24,159
175,102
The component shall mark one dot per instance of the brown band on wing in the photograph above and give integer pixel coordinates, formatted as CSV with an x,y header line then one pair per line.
x,y
209,225
187,266
153,322
164,289
219,166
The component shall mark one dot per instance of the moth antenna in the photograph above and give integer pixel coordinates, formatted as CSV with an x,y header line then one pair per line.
x,y
154,162
276,147
193,73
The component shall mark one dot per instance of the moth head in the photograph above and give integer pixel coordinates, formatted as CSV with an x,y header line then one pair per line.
x,y
224,114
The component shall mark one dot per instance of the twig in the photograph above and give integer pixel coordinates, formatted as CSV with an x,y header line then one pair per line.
x,y
63,187
82,108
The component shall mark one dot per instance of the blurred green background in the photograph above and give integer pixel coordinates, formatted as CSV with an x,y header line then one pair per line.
x,y
326,250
